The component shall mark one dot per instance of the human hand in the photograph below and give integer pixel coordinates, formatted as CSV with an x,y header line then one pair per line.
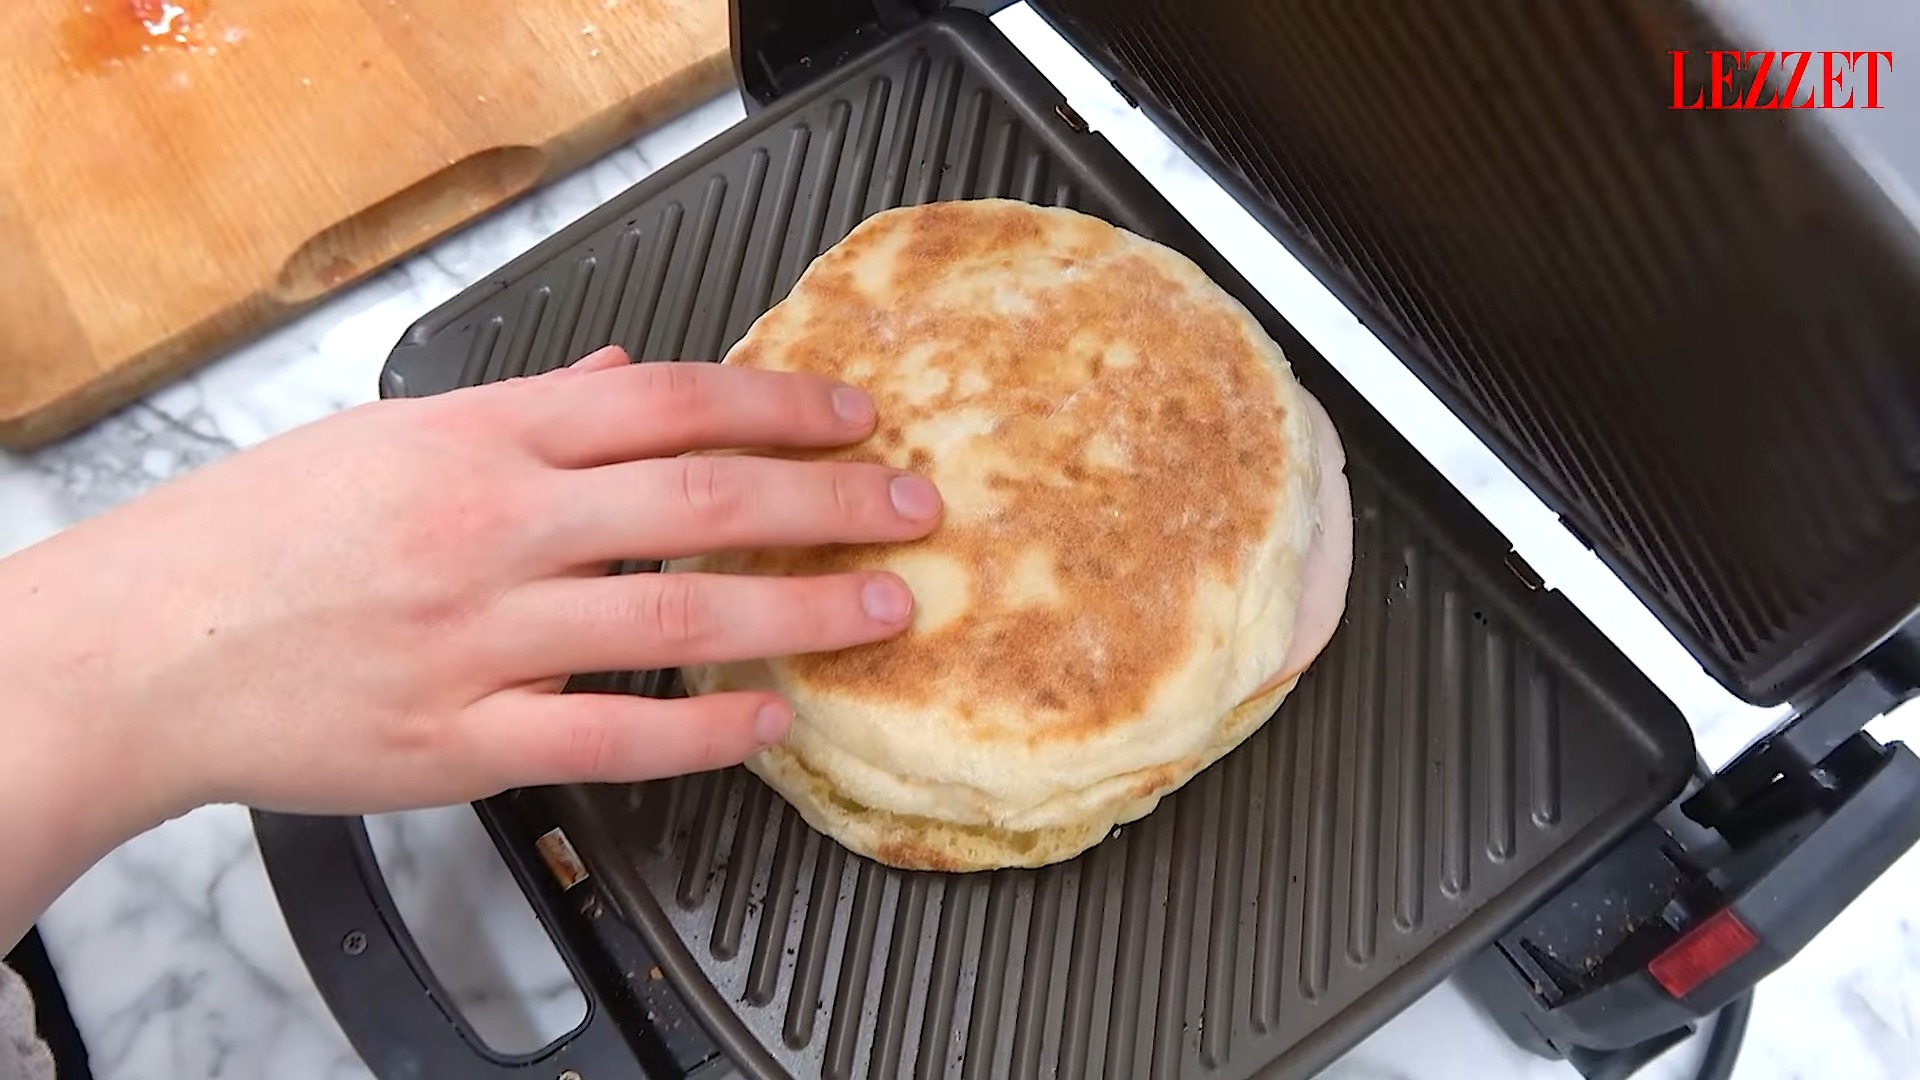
x,y
377,611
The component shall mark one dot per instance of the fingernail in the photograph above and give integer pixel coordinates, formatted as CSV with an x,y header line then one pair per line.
x,y
885,600
913,496
772,722
852,405
603,356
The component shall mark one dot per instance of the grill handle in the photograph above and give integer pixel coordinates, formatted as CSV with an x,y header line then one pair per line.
x,y
380,988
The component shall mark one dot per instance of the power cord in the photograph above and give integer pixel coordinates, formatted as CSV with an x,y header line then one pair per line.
x,y
1723,1046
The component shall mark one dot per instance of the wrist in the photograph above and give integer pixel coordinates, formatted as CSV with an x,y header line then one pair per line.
x,y
57,814
75,746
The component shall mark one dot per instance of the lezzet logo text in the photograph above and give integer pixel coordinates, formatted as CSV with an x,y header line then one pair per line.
x,y
1822,79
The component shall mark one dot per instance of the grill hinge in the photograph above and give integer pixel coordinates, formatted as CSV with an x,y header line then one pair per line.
x,y
1797,764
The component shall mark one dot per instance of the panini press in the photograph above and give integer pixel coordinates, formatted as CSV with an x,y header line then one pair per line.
x,y
1696,335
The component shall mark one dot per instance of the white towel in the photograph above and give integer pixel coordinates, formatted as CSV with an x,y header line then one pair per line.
x,y
22,1055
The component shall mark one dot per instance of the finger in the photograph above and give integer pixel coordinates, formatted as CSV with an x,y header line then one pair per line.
x,y
602,359
670,508
644,621
526,738
663,408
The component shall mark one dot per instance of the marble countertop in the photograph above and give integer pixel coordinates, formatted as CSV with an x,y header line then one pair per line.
x,y
173,950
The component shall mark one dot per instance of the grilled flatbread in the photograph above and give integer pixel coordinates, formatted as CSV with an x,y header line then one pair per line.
x,y
1146,535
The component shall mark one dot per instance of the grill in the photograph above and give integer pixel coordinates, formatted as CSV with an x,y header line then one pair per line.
x,y
1466,746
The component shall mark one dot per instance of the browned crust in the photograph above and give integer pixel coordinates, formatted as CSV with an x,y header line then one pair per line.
x,y
1195,413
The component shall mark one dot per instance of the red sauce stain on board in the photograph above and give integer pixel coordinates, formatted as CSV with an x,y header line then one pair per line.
x,y
106,33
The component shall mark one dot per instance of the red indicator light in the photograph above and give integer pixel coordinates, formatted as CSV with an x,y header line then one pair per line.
x,y
1701,953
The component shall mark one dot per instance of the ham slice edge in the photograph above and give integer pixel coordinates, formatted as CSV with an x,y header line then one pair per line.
x,y
1329,561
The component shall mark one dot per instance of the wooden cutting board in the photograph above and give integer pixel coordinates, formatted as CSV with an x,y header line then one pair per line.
x,y
178,175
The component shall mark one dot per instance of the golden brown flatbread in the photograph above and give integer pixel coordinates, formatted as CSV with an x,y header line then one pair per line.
x,y
1145,537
